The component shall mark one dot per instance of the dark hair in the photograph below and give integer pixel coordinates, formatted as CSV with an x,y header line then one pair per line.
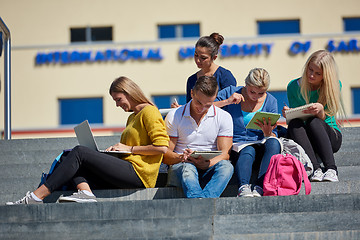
x,y
211,42
207,85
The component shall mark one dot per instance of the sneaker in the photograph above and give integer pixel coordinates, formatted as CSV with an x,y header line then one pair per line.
x,y
79,197
317,176
245,191
258,191
330,176
28,199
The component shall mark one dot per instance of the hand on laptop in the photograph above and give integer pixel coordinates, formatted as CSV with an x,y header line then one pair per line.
x,y
119,147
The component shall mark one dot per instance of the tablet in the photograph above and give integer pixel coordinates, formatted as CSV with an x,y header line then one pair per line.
x,y
205,154
259,116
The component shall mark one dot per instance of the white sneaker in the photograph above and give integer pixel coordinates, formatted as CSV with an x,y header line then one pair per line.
x,y
79,197
28,199
317,176
330,176
258,191
245,191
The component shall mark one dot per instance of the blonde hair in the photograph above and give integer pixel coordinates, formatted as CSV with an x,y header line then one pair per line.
x,y
329,90
131,89
258,77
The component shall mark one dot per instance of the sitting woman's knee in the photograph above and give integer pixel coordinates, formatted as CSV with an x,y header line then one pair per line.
x,y
248,150
295,123
273,144
80,148
314,122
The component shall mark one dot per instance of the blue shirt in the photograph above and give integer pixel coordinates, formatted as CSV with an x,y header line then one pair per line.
x,y
249,115
223,76
241,134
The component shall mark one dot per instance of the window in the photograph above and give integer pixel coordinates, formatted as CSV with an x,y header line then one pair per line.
x,y
179,31
78,34
91,34
167,31
281,98
278,27
351,24
76,110
356,100
165,101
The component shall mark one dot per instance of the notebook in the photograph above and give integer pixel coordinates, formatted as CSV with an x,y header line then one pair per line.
x,y
86,138
259,116
297,113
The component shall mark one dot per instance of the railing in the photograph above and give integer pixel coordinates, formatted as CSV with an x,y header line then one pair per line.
x,y
7,84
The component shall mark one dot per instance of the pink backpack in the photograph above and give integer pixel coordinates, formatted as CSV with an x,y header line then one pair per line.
x,y
284,176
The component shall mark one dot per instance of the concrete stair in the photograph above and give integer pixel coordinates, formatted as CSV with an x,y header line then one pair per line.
x,y
331,211
294,217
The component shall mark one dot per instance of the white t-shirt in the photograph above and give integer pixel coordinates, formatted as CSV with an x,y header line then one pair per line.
x,y
216,123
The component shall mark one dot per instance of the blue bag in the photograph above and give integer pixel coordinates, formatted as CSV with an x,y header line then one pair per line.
x,y
54,165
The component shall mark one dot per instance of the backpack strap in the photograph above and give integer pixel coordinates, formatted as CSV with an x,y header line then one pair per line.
x,y
304,176
270,184
55,162
306,180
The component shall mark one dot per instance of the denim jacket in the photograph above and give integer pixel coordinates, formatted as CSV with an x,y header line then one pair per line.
x,y
241,134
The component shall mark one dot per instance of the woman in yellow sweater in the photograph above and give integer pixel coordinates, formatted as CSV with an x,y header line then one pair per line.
x,y
144,136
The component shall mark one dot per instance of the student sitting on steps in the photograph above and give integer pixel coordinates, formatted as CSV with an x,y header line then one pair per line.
x,y
199,125
319,134
144,136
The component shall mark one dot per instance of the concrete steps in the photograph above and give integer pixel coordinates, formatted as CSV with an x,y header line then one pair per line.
x,y
293,217
331,211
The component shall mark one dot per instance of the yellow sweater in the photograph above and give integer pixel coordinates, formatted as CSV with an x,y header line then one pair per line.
x,y
145,128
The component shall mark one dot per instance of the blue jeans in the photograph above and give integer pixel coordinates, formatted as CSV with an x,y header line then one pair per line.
x,y
246,159
198,183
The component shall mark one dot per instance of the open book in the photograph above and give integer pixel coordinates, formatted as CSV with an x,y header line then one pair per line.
x,y
297,112
206,154
259,116
240,145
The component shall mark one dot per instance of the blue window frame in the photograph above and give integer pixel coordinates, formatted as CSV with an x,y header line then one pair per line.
x,y
278,27
351,24
281,98
179,31
167,31
76,110
165,101
356,100
190,30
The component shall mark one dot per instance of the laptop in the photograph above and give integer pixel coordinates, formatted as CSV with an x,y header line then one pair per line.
x,y
86,138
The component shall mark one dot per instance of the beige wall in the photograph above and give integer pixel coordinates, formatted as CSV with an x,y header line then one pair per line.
x,y
44,26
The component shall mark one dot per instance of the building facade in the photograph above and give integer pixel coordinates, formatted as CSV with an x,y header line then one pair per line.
x,y
65,54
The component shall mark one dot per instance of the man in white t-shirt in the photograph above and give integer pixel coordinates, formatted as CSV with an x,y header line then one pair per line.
x,y
200,126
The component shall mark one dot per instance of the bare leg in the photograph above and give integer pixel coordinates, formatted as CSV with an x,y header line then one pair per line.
x,y
42,192
83,186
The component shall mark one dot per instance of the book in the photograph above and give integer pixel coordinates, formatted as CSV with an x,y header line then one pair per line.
x,y
297,112
205,154
259,116
240,145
